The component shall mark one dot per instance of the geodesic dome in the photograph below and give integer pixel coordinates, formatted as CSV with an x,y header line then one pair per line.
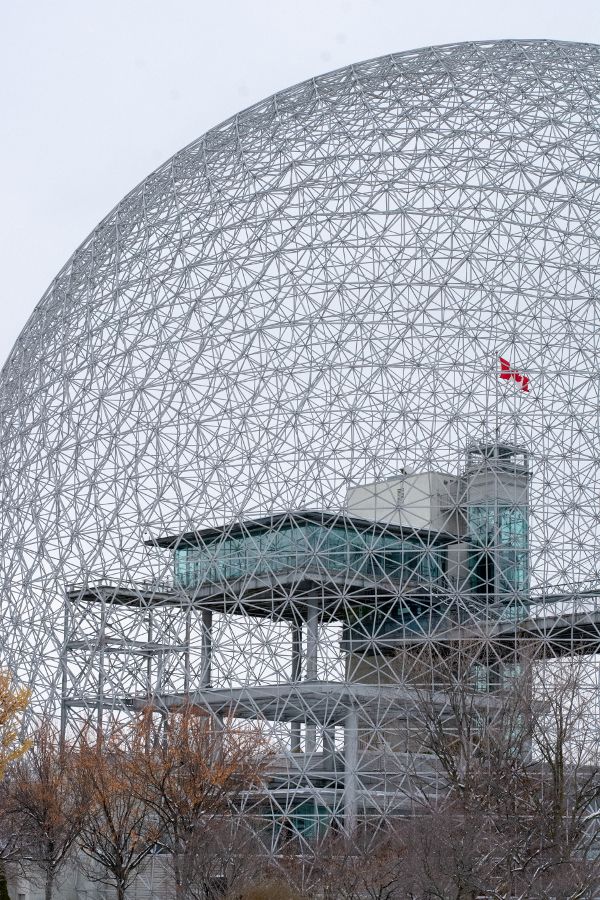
x,y
312,297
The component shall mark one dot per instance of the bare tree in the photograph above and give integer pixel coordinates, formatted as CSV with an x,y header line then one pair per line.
x,y
225,860
13,837
566,752
363,868
193,772
120,830
46,804
522,778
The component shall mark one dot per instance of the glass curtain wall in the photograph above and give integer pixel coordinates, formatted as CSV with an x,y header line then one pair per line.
x,y
500,557
305,546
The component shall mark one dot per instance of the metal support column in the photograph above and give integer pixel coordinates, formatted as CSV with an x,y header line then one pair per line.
x,y
186,652
329,740
150,637
312,659
64,676
350,770
296,675
101,671
312,642
206,661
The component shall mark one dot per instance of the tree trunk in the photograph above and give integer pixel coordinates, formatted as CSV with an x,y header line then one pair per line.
x,y
4,895
49,884
178,872
121,888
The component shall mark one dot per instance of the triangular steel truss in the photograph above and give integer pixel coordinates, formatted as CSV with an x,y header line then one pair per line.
x,y
313,413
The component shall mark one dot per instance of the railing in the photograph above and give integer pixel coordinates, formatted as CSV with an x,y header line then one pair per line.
x,y
164,586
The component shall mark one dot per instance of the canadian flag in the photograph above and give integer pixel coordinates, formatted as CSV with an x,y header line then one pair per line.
x,y
507,372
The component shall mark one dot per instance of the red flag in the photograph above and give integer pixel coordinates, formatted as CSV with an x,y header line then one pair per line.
x,y
507,372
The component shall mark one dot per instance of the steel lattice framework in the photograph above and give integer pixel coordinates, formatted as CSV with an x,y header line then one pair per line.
x,y
256,446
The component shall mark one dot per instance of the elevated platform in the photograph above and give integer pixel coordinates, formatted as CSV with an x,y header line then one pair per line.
x,y
286,596
552,634
324,702
445,618
327,702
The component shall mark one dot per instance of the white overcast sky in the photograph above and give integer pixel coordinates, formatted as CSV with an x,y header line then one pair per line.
x,y
94,94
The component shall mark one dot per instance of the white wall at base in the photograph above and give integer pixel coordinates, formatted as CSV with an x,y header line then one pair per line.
x,y
154,882
31,887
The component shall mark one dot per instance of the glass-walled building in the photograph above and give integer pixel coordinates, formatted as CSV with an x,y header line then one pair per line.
x,y
371,567
311,542
496,490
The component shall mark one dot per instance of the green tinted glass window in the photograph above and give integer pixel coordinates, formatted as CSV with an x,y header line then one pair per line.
x,y
310,546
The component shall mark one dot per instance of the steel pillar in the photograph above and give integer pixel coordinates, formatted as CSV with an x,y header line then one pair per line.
x,y
296,675
206,660
312,659
350,770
